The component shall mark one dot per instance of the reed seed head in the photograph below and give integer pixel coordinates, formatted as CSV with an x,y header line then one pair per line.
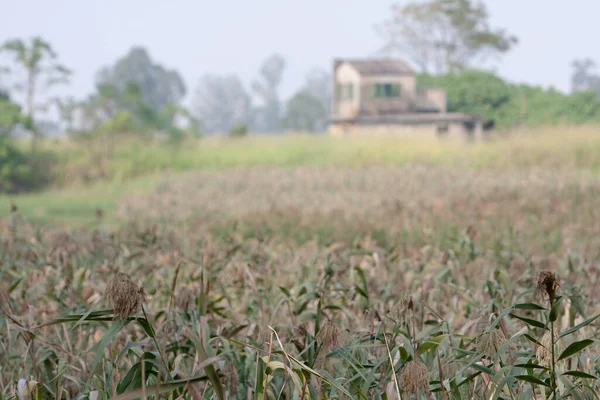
x,y
185,299
330,335
544,352
124,295
404,309
71,386
414,377
372,319
488,343
547,284
300,332
488,340
449,368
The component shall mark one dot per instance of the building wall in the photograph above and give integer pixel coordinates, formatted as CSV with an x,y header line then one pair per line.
x,y
437,97
347,108
371,105
430,131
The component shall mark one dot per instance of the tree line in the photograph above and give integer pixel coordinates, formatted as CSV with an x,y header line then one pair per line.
x,y
137,94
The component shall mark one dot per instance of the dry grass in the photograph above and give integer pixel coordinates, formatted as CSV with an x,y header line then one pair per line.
x,y
548,209
309,283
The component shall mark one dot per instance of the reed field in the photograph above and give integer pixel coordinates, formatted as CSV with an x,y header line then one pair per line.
x,y
309,268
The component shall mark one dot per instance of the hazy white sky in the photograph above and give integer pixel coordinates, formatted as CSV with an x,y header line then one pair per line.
x,y
234,36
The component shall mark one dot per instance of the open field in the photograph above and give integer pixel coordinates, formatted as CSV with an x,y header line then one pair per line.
x,y
313,269
83,182
577,146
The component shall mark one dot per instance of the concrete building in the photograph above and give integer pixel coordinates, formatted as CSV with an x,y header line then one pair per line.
x,y
380,97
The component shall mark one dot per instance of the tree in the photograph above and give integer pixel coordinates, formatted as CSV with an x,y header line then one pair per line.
x,y
305,113
319,84
584,76
158,87
67,112
506,105
444,35
220,103
10,114
266,87
15,170
38,59
477,92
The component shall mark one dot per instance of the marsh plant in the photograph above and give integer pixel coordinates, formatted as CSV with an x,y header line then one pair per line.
x,y
405,297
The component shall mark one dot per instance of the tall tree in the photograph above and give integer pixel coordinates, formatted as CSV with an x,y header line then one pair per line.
x,y
38,59
220,103
266,87
111,102
319,84
584,76
159,87
67,110
309,109
444,35
305,113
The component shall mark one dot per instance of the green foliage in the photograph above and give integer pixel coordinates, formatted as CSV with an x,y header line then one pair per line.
x,y
15,169
505,105
10,114
37,58
305,113
123,122
220,102
16,172
444,35
157,86
239,130
266,86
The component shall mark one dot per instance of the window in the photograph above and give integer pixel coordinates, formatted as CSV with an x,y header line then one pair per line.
x,y
386,90
345,91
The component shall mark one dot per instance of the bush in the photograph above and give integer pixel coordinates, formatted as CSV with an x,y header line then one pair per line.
x,y
504,105
239,130
15,168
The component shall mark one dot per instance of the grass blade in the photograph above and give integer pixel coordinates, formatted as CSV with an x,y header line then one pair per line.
x,y
579,326
575,348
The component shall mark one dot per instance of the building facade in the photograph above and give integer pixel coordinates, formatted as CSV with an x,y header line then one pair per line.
x,y
380,97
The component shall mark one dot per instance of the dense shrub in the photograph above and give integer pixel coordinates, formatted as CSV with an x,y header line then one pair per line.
x,y
505,105
15,169
239,130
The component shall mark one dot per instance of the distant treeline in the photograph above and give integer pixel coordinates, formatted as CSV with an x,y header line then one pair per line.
x,y
505,105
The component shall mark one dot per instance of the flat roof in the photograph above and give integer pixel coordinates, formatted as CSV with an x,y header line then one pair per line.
x,y
408,118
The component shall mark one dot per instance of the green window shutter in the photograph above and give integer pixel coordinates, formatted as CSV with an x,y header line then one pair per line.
x,y
377,90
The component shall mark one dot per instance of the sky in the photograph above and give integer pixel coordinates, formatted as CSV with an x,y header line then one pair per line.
x,y
234,36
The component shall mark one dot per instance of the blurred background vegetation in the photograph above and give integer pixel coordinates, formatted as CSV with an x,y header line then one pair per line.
x,y
135,121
